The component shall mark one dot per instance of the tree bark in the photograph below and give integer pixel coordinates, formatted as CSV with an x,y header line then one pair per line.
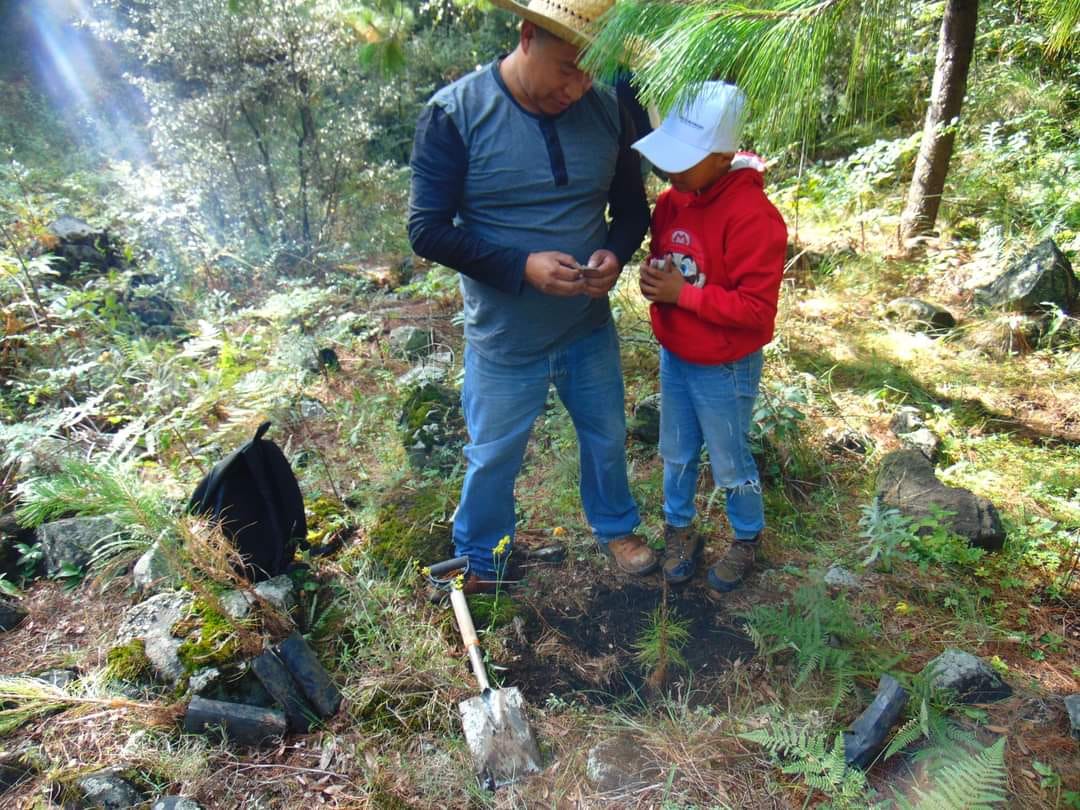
x,y
955,47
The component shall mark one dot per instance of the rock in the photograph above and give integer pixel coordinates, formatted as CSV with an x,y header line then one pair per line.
x,y
11,614
175,803
279,591
11,534
645,424
1043,276
907,482
314,681
924,440
78,243
423,374
203,680
907,419
244,725
867,734
152,572
621,765
431,426
1072,706
73,541
920,315
328,359
410,341
839,577
152,622
840,442
109,790
969,677
18,766
146,298
312,409
60,678
1007,335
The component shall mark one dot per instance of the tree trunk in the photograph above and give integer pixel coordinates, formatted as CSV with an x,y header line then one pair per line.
x,y
950,82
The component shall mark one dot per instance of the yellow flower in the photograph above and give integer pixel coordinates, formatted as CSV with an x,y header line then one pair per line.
x,y
459,581
500,549
558,531
902,609
425,571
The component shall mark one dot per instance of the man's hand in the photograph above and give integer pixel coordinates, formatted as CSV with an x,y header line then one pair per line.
x,y
661,285
554,273
601,274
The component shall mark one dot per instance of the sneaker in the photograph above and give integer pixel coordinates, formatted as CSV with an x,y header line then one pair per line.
x,y
631,554
682,547
729,573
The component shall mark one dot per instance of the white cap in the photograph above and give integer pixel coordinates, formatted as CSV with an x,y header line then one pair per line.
x,y
710,122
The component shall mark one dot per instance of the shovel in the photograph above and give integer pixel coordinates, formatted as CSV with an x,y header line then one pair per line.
x,y
497,732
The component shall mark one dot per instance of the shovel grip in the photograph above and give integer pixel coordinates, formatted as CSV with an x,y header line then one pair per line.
x,y
468,635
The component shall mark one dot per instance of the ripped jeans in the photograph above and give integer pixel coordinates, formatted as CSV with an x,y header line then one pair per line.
x,y
710,405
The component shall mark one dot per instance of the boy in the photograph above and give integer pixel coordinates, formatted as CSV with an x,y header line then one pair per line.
x,y
713,277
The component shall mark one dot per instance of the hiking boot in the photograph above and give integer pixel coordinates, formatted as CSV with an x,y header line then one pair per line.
x,y
682,547
631,554
728,574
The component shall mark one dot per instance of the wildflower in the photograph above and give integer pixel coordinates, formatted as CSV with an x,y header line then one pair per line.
x,y
459,582
902,609
425,571
500,549
558,531
999,665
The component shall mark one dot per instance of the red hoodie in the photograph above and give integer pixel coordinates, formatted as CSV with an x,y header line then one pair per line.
x,y
729,242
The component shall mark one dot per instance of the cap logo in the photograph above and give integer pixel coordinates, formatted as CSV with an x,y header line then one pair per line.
x,y
680,237
690,123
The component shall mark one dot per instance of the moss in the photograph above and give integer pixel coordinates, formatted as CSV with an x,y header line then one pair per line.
x,y
326,517
127,662
210,638
411,528
492,611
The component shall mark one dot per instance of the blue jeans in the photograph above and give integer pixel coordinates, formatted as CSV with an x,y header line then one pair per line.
x,y
710,405
501,403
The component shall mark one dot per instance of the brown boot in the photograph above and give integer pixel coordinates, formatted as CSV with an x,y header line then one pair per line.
x,y
631,554
729,573
682,547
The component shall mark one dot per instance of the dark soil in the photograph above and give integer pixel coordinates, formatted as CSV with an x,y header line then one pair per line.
x,y
586,651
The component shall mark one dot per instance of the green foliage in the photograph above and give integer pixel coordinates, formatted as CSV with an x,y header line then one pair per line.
x,y
210,637
808,755
411,528
127,662
660,645
887,534
974,780
820,632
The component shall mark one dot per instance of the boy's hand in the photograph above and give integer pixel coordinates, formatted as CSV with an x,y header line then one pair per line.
x,y
661,285
601,273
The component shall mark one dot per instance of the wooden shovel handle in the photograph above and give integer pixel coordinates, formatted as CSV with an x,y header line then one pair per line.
x,y
468,635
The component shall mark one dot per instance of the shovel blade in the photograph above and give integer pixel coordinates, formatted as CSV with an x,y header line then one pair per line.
x,y
499,737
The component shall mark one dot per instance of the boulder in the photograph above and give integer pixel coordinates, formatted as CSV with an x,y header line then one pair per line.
x,y
79,245
11,614
621,765
279,591
920,315
1043,276
1006,335
60,678
423,374
645,424
108,790
907,482
839,577
73,541
431,425
410,342
152,622
924,440
968,676
146,298
907,418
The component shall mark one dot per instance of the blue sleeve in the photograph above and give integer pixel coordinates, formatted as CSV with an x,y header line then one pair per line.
x,y
626,197
439,162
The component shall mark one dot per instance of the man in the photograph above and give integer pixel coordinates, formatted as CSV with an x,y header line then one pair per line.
x,y
514,167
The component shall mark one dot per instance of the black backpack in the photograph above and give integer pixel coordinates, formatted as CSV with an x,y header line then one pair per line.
x,y
254,496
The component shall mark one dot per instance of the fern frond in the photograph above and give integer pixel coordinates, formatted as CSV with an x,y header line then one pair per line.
x,y
975,780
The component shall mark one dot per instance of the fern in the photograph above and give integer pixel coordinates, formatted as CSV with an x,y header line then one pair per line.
x,y
931,723
973,781
810,757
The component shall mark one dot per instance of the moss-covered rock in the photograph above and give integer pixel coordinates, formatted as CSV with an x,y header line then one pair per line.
x,y
127,662
210,637
413,526
431,426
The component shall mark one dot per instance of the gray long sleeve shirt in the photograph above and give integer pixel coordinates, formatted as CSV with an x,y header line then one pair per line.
x,y
493,182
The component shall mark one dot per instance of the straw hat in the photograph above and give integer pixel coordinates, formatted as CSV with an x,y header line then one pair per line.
x,y
569,20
